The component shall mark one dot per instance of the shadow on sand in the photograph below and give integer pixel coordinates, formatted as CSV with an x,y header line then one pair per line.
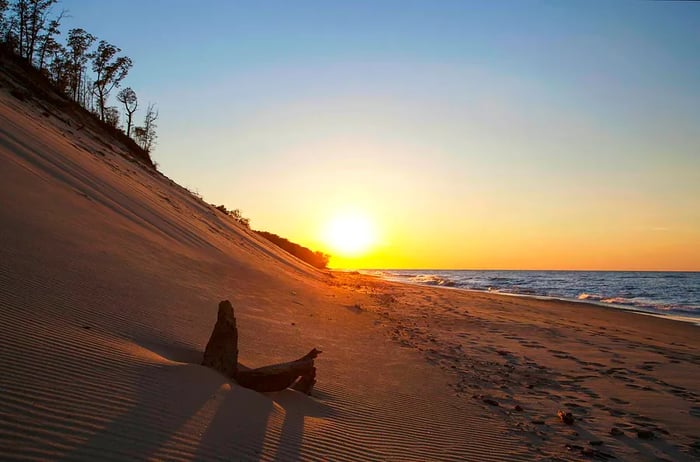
x,y
172,402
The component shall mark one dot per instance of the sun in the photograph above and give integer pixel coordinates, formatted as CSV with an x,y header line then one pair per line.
x,y
349,234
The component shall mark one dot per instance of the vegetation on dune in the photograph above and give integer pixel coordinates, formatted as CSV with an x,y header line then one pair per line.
x,y
78,77
235,214
317,259
314,258
83,72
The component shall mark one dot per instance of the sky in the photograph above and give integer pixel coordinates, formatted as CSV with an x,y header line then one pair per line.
x,y
469,135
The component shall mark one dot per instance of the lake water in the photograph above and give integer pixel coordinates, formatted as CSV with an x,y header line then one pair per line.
x,y
673,294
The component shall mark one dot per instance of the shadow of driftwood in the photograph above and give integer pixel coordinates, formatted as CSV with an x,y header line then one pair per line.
x,y
157,411
244,421
297,407
170,398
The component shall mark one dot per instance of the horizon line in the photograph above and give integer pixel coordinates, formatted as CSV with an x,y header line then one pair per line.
x,y
549,270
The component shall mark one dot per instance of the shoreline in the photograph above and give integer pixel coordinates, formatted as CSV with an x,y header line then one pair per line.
x,y
524,358
695,321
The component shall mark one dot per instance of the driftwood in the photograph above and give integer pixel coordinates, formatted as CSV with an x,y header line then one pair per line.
x,y
221,354
300,373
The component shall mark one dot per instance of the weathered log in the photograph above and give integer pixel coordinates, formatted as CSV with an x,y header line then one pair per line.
x,y
300,373
221,354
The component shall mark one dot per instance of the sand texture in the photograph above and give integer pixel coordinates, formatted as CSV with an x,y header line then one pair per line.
x,y
110,276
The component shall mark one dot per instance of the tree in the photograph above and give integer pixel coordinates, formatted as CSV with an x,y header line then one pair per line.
x,y
6,25
3,22
146,135
19,25
58,68
30,18
47,43
109,72
128,98
77,56
36,22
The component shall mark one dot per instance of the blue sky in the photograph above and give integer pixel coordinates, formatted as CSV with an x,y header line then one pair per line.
x,y
478,110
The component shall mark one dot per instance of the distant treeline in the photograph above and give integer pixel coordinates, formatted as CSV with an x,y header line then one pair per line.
x,y
317,259
82,68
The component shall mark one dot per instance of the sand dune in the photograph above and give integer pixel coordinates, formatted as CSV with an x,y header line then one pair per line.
x,y
109,280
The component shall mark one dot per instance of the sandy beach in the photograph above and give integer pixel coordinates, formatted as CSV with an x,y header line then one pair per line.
x,y
530,358
109,280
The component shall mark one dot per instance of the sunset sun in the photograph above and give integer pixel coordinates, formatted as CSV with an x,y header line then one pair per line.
x,y
349,234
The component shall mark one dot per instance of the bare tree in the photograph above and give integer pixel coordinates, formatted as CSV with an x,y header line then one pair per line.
x,y
109,72
128,98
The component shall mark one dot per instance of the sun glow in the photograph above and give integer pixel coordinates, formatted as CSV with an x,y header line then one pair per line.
x,y
349,234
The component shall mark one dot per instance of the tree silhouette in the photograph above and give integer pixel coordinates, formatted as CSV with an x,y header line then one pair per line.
x,y
146,135
77,55
317,259
47,43
29,31
30,17
19,25
38,15
109,72
4,24
128,98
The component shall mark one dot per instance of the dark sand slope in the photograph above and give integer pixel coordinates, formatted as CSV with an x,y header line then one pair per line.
x,y
109,281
